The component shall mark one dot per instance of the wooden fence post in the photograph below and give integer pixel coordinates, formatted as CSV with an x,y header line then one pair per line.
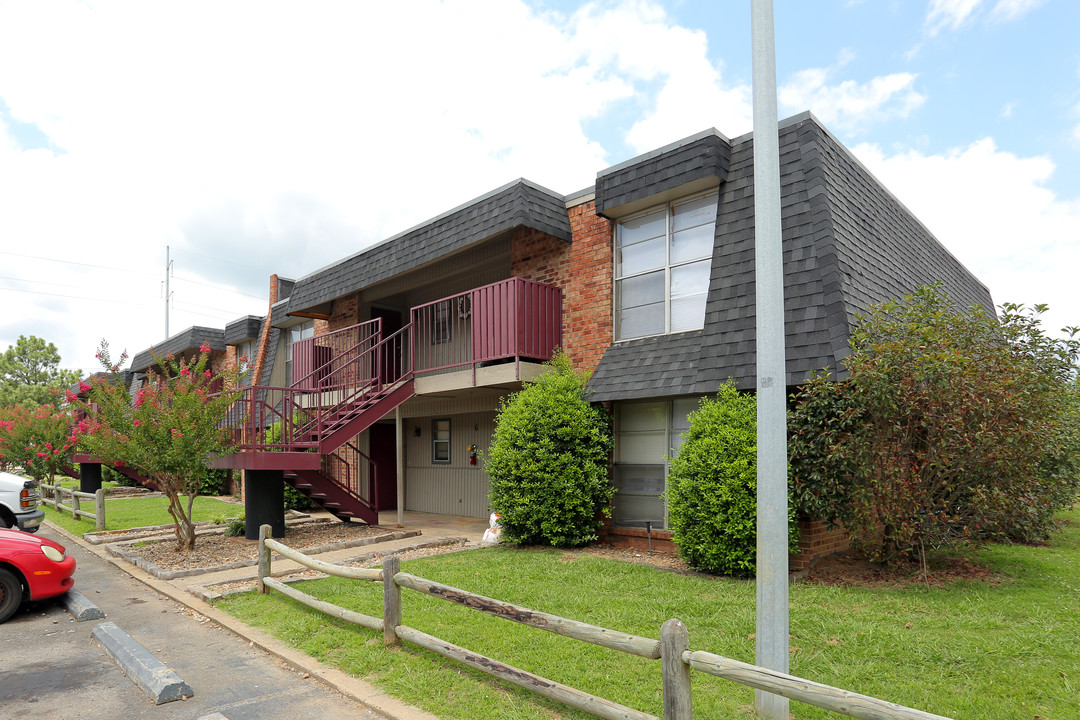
x,y
264,557
674,641
74,505
99,508
391,600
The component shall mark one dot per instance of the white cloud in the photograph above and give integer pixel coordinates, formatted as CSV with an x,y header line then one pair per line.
x,y
949,14
849,105
1007,10
993,211
954,14
256,137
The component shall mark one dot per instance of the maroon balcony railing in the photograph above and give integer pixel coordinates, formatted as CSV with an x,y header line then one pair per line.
x,y
513,318
316,358
342,374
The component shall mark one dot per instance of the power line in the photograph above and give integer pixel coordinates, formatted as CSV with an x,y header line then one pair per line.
x,y
73,262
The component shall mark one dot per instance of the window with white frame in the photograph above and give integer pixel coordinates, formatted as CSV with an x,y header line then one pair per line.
x,y
663,258
245,352
296,333
646,434
440,441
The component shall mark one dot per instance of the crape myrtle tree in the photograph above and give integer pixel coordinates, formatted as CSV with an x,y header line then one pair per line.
x,y
952,428
169,431
548,461
712,487
38,439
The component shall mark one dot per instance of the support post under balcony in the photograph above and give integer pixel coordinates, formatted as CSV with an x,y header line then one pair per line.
x,y
89,477
264,503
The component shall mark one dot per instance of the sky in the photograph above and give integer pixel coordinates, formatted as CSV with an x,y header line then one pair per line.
x,y
249,138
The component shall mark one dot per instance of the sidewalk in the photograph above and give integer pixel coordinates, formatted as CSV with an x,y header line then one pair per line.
x,y
432,527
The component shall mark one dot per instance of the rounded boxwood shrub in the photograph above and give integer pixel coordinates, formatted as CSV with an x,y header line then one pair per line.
x,y
712,487
548,462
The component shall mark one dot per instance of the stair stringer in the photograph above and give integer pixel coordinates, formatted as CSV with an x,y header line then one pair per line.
x,y
331,496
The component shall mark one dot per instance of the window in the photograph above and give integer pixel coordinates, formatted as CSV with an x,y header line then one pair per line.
x,y
662,265
440,328
296,333
245,351
440,441
646,434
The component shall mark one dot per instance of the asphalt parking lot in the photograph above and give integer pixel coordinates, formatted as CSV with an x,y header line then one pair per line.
x,y
51,666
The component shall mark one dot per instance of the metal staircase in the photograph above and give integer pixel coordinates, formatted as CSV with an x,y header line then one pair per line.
x,y
307,430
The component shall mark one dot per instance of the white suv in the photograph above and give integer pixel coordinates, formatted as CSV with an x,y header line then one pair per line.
x,y
19,503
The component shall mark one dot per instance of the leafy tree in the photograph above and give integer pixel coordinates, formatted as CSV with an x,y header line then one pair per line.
x,y
548,462
29,374
169,432
36,439
712,487
953,427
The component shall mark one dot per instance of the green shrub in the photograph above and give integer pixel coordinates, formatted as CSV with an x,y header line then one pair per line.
x,y
712,487
954,428
548,462
108,474
296,500
234,527
214,482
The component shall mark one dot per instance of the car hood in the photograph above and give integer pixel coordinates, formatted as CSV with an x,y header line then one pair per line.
x,y
14,538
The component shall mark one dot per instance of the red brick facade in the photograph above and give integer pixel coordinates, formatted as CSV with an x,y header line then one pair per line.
x,y
583,270
344,312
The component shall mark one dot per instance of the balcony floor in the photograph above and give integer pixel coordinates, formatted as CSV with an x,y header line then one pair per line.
x,y
506,375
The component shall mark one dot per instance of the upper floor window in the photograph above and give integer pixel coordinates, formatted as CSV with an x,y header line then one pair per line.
x,y
662,264
296,333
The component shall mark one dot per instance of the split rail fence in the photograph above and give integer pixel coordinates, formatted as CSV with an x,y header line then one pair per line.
x,y
55,497
672,649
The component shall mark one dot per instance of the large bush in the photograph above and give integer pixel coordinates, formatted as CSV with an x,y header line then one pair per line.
x,y
548,462
712,487
952,427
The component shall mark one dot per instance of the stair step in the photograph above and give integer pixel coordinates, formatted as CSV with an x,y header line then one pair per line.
x,y
317,496
330,506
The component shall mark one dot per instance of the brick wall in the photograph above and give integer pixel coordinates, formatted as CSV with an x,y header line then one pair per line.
x,y
815,541
583,270
345,312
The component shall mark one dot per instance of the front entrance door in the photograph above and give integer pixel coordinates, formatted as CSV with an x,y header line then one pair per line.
x,y
390,357
384,455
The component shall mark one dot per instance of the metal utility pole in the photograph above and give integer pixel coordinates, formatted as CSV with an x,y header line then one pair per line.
x,y
772,511
168,293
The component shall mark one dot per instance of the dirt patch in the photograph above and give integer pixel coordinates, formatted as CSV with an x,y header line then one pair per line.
x,y
849,569
217,550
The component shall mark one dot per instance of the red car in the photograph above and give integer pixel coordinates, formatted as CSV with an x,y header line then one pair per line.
x,y
31,568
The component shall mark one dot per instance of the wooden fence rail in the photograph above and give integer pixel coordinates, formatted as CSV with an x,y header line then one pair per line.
x,y
673,648
55,497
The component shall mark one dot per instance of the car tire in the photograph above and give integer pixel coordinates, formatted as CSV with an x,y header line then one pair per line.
x,y
10,594
5,523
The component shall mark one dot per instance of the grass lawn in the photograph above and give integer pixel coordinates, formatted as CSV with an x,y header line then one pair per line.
x,y
1008,649
122,513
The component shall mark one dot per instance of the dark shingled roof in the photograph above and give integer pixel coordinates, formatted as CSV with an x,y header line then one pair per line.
x,y
848,243
520,203
703,158
241,329
190,339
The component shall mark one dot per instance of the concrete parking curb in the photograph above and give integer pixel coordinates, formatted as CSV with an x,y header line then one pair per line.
x,y
80,607
139,664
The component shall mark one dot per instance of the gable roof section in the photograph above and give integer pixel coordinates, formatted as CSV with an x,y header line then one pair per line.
x,y
520,203
189,339
848,244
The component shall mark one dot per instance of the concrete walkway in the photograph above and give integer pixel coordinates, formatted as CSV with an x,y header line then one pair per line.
x,y
305,668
